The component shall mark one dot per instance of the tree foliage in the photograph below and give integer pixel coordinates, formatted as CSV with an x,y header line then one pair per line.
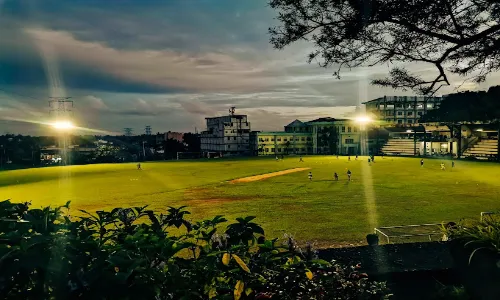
x,y
129,253
467,107
459,37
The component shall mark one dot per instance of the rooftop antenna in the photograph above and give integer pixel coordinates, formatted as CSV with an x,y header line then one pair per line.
x,y
231,110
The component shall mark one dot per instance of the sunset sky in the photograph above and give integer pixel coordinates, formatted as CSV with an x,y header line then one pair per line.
x,y
168,64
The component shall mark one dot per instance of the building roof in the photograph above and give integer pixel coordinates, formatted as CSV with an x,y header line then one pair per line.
x,y
234,116
296,123
325,121
282,133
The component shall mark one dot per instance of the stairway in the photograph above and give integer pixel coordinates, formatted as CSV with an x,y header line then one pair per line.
x,y
483,149
399,147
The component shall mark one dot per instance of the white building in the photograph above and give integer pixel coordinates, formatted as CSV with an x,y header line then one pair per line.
x,y
229,135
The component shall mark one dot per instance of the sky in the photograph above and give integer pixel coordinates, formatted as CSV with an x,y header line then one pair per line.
x,y
164,63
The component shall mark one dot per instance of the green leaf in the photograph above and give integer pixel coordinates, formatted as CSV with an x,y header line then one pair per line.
x,y
238,289
241,263
212,293
248,291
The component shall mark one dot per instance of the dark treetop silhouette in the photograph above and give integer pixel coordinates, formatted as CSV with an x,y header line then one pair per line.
x,y
453,36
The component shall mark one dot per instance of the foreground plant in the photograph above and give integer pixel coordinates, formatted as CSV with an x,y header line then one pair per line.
x,y
128,253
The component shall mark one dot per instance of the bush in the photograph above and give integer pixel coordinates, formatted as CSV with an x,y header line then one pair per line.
x,y
127,253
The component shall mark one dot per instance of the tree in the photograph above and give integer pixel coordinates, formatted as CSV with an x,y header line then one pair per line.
x,y
459,37
192,142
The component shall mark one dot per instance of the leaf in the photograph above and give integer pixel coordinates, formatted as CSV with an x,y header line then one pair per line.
x,y
226,258
238,289
309,274
212,293
241,263
474,252
248,291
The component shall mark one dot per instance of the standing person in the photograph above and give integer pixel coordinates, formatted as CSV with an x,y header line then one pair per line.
x,y
349,175
337,156
356,157
336,176
139,166
422,163
301,160
310,175
369,161
277,159
452,163
349,158
443,167
373,157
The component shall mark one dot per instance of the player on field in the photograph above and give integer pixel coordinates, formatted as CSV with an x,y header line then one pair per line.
x,y
310,175
336,176
349,158
452,163
139,166
300,159
422,162
443,167
349,174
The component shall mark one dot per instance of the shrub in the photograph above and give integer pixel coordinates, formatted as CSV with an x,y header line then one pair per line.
x,y
128,253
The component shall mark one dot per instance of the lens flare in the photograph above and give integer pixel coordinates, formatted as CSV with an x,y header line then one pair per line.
x,y
363,120
63,125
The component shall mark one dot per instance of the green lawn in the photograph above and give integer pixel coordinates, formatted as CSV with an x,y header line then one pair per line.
x,y
392,191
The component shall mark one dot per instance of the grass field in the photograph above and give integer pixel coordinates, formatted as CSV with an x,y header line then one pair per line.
x,y
392,191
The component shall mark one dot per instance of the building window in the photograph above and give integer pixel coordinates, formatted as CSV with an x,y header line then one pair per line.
x,y
308,139
420,113
343,128
348,129
234,138
303,139
279,149
400,121
349,141
272,150
410,121
410,113
228,138
272,139
267,149
267,139
355,129
278,139
400,113
228,146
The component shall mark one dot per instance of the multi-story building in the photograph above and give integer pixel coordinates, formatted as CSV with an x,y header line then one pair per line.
x,y
278,143
402,110
229,135
320,136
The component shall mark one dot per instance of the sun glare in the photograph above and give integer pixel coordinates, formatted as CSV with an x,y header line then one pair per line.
x,y
63,125
363,119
